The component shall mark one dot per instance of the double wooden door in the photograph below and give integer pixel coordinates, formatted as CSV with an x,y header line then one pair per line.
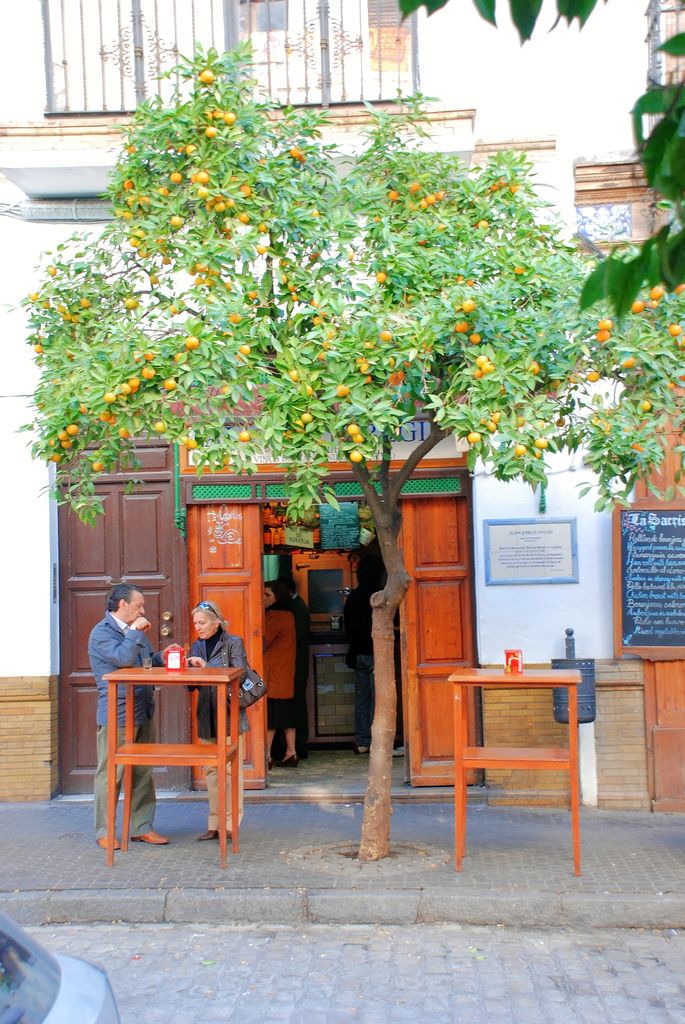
x,y
136,542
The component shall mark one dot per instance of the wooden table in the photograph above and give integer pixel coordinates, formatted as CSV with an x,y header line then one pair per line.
x,y
545,758
158,755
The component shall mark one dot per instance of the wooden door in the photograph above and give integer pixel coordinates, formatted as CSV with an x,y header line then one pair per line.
x,y
136,542
665,727
436,630
225,566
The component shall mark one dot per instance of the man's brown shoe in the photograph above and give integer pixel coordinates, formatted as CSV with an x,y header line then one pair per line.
x,y
212,833
102,843
151,837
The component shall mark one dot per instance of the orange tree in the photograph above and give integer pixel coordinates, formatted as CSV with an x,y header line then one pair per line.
x,y
247,297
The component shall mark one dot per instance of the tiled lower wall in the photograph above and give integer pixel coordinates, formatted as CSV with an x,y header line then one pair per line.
x,y
525,718
28,738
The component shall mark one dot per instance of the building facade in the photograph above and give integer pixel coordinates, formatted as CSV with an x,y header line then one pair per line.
x,y
62,108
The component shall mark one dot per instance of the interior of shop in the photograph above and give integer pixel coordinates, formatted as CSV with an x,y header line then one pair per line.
x,y
320,554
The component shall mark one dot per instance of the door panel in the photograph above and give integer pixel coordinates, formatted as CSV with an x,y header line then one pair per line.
x,y
134,541
437,630
665,703
225,566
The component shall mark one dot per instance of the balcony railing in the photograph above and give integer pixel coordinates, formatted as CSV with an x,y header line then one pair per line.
x,y
666,18
105,56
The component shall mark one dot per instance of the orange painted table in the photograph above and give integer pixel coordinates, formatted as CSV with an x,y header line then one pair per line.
x,y
545,758
159,755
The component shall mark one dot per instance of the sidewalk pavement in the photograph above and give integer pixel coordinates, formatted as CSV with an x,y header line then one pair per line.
x,y
296,864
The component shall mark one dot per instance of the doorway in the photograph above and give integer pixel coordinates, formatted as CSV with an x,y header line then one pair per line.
x,y
233,546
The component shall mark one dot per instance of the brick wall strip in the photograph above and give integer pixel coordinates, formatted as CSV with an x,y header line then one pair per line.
x,y
28,738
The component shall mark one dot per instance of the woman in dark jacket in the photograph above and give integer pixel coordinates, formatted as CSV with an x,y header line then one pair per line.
x,y
216,646
279,668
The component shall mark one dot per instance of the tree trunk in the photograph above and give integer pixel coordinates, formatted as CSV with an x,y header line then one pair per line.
x,y
375,837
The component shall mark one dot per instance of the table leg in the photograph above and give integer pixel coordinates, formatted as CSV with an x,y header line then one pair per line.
x,y
459,779
221,695
111,770
129,735
573,772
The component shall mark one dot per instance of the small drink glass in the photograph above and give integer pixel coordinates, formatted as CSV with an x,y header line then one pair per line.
x,y
147,662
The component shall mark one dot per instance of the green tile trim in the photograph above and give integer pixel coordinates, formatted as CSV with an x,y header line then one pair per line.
x,y
202,492
275,491
433,485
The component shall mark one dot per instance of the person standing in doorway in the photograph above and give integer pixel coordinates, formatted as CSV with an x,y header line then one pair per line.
x,y
302,622
120,640
358,619
279,668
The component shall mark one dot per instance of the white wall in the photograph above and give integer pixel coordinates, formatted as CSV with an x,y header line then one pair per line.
x,y
533,617
27,533
578,86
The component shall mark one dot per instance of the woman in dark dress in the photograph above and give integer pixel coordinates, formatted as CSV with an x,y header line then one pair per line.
x,y
216,646
279,668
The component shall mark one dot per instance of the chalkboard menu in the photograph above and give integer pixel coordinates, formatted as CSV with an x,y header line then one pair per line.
x,y
652,544
339,526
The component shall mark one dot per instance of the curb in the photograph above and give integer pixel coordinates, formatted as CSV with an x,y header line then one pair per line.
x,y
346,906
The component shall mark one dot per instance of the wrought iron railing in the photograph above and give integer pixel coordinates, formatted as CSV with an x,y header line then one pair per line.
x,y
105,56
665,18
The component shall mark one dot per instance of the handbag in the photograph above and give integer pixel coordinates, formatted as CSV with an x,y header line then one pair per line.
x,y
252,688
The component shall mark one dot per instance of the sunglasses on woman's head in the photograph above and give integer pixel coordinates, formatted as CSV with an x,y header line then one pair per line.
x,y
208,606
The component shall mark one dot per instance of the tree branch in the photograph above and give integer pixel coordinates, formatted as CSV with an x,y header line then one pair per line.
x,y
400,478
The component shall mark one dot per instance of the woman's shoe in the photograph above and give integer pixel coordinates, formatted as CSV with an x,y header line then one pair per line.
x,y
288,762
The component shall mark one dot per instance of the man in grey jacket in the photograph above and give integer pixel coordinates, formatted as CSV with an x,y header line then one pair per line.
x,y
120,641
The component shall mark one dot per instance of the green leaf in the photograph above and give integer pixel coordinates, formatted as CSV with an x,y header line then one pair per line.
x,y
486,9
675,45
524,14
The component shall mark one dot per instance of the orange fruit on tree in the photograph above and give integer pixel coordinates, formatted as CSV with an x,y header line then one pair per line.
x,y
176,221
593,375
475,339
109,397
229,117
468,306
244,218
381,277
169,384
473,437
645,406
461,327
125,388
123,433
190,443
148,372
602,336
541,443
674,330
206,76
414,187
235,318
245,350
192,342
176,177
294,375
656,293
134,384
342,391
244,435
638,306
211,131
385,336
605,325
628,363
159,427
355,455
98,467
520,450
